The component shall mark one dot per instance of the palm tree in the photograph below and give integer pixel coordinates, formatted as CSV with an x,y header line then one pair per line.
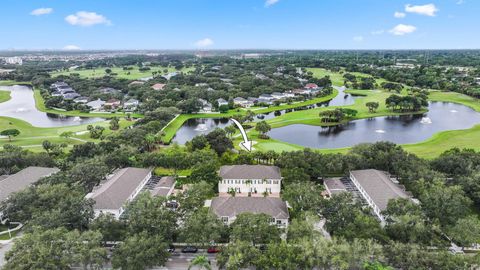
x,y
201,262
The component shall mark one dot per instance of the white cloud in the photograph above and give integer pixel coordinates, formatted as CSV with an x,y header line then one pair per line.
x,y
403,29
427,10
84,18
41,11
377,32
358,38
399,14
203,43
270,2
71,48
460,2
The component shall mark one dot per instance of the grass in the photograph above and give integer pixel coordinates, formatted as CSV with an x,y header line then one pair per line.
x,y
32,137
133,74
6,236
4,96
160,171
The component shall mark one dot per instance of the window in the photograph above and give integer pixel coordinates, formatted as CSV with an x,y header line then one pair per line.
x,y
225,219
279,222
275,182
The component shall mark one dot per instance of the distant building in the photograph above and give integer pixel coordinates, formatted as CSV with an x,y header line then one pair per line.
x,y
311,86
239,101
136,83
222,102
112,103
109,90
131,104
81,100
14,60
228,208
10,184
250,180
266,97
377,188
96,105
158,86
70,96
278,95
118,190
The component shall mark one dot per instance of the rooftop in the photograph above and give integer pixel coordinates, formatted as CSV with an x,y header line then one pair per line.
x,y
21,180
233,206
250,172
115,191
379,187
163,187
334,186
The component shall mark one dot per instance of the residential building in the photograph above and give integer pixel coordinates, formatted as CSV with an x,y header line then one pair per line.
x,y
265,101
118,190
164,187
222,102
253,180
239,101
81,100
131,104
289,94
70,96
112,103
96,105
108,90
278,95
311,86
14,60
158,86
266,97
10,184
377,188
227,208
136,83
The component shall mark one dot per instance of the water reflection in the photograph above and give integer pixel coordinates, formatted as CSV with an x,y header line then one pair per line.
x,y
22,106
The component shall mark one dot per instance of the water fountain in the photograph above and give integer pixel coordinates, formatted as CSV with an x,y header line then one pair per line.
x,y
426,120
77,119
453,111
201,128
381,131
21,110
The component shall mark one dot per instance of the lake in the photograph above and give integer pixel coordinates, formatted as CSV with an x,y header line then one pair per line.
x,y
22,106
406,129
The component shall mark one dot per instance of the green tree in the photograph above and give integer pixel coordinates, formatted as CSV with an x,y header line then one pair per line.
x,y
372,106
147,214
10,133
254,228
202,227
238,255
263,127
466,231
114,123
200,262
140,251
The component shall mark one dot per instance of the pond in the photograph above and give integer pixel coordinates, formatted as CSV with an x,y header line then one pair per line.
x,y
342,99
406,129
22,106
197,126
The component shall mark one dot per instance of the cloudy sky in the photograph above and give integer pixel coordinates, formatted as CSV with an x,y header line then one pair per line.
x,y
240,24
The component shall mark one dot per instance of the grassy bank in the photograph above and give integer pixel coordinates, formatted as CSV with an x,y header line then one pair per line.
x,y
4,96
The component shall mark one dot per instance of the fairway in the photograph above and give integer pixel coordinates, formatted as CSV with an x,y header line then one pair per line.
x,y
133,74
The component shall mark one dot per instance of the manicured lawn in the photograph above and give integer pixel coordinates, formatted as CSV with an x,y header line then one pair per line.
x,y
4,96
32,137
165,171
133,74
336,77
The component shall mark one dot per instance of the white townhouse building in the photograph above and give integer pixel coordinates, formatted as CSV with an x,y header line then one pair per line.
x,y
377,188
118,190
253,180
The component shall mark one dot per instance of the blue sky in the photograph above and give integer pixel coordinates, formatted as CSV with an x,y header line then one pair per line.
x,y
240,24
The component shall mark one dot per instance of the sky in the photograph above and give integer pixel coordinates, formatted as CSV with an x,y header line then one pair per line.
x,y
239,24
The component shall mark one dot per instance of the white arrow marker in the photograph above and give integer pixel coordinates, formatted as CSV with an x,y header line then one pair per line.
x,y
246,143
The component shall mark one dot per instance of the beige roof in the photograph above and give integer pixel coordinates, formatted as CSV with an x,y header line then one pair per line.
x,y
250,172
233,206
379,187
115,191
163,187
334,185
158,86
21,180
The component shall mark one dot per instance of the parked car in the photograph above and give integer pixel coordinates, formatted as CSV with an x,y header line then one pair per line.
x,y
189,249
213,250
171,249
